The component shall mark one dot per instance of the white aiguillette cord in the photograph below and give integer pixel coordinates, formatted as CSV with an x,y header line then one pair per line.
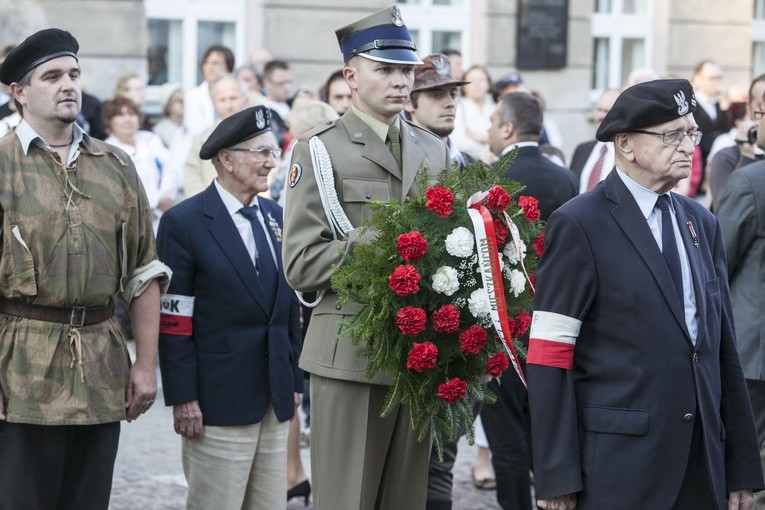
x,y
325,181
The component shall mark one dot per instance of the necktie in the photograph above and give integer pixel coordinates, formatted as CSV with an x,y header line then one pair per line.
x,y
669,245
264,261
597,168
394,143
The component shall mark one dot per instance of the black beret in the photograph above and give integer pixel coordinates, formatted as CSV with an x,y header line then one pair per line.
x,y
239,127
37,49
647,104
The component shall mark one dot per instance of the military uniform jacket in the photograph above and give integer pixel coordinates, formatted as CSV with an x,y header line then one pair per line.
x,y
615,382
240,355
65,247
364,171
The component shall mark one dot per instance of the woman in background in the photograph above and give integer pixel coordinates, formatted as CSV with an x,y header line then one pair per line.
x,y
473,116
132,86
170,125
150,156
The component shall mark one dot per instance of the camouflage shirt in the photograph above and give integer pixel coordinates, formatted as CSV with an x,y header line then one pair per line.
x,y
73,236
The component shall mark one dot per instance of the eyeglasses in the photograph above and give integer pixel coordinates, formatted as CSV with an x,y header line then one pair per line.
x,y
673,137
262,153
757,114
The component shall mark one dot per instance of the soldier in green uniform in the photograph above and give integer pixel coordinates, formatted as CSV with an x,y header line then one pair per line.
x,y
358,460
75,234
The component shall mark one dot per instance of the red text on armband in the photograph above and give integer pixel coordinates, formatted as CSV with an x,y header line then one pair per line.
x,y
177,314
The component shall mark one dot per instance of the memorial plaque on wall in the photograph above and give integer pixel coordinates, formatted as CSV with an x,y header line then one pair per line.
x,y
542,34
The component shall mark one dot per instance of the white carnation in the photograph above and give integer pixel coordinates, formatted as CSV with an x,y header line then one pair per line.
x,y
517,282
478,303
460,243
511,253
445,280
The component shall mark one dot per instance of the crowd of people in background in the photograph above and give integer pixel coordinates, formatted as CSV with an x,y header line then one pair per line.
x,y
186,118
165,150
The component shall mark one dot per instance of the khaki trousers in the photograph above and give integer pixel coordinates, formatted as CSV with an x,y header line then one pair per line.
x,y
360,461
242,467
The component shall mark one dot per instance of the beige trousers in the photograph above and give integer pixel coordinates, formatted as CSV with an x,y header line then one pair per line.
x,y
242,467
360,461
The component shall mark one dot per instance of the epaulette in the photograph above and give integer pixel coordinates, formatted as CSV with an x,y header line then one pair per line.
x,y
318,129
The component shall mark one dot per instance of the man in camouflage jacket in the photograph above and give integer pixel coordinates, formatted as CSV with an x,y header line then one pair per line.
x,y
75,233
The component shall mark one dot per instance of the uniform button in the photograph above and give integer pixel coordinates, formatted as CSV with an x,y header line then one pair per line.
x,y
696,357
688,417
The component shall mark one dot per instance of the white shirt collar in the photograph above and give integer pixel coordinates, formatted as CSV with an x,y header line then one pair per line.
x,y
232,203
519,145
645,198
27,135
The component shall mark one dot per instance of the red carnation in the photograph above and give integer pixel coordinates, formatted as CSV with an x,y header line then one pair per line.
x,y
440,200
411,246
404,280
423,356
523,321
529,206
446,319
453,390
411,321
473,339
498,199
497,364
501,231
511,325
539,244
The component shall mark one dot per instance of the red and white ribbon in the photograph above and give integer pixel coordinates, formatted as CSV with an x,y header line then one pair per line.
x,y
491,272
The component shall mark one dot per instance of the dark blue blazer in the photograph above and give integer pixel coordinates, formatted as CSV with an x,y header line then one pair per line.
x,y
241,356
552,185
618,425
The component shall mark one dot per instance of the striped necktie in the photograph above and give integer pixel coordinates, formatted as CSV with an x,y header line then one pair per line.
x,y
597,168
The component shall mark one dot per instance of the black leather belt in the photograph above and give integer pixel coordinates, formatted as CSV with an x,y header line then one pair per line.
x,y
76,316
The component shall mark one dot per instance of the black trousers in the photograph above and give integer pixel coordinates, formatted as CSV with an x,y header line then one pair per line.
x,y
508,430
695,493
45,467
440,476
757,397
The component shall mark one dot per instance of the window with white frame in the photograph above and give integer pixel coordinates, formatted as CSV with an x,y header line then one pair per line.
x,y
436,25
758,38
621,32
181,30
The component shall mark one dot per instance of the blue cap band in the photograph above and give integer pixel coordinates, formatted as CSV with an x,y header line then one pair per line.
x,y
381,37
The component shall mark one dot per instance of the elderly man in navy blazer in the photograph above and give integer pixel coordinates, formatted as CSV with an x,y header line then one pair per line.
x,y
230,330
636,391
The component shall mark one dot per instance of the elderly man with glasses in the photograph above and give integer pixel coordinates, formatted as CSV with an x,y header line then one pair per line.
x,y
636,392
230,326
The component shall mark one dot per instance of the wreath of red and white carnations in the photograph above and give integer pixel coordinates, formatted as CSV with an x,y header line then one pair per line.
x,y
447,285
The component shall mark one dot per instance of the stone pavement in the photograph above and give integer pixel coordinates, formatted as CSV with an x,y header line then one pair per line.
x,y
148,473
